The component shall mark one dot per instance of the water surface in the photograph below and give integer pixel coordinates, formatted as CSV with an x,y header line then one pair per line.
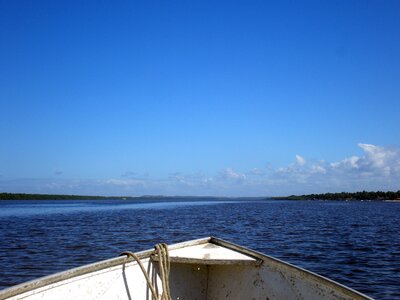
x,y
354,243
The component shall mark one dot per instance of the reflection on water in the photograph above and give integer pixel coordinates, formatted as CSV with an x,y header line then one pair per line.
x,y
355,243
47,207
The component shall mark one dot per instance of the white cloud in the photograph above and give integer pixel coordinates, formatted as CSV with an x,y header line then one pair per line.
x,y
294,168
300,160
177,176
228,173
257,172
124,182
347,163
376,168
376,161
376,156
317,169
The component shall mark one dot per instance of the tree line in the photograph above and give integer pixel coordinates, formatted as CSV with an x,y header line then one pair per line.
x,y
364,195
21,196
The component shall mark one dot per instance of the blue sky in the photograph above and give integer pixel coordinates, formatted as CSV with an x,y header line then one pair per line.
x,y
225,98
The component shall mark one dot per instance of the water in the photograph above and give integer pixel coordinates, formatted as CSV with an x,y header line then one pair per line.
x,y
354,243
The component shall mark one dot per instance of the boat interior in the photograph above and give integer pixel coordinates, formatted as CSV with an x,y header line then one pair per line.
x,y
204,269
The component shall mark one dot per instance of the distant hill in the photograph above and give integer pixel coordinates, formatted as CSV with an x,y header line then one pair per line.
x,y
345,196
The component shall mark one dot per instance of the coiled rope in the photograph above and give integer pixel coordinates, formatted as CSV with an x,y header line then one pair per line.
x,y
164,266
161,251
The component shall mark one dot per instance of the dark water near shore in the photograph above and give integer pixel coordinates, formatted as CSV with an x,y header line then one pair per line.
x,y
354,243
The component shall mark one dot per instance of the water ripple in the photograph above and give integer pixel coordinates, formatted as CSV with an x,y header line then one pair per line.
x,y
355,243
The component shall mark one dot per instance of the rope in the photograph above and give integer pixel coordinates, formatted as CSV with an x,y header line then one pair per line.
x,y
161,250
164,267
153,291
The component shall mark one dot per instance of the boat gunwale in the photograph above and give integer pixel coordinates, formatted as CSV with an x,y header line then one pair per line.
x,y
86,269
112,262
264,257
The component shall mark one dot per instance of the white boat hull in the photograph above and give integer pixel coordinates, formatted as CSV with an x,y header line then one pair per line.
x,y
205,269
